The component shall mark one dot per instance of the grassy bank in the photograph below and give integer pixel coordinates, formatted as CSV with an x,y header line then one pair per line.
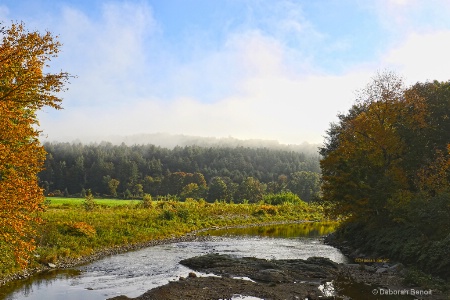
x,y
69,231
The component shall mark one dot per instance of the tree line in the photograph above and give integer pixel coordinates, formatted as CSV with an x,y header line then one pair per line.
x,y
212,173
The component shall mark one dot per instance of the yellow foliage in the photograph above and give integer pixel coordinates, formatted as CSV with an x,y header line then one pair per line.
x,y
82,228
24,88
364,163
433,178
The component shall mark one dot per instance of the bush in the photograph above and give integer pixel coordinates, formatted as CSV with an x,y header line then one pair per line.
x,y
89,203
147,201
167,215
266,210
400,242
82,229
281,198
183,214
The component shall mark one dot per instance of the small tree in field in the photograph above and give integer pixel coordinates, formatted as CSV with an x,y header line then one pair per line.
x,y
147,201
89,203
24,89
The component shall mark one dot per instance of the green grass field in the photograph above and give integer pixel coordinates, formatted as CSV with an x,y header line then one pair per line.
x,y
63,201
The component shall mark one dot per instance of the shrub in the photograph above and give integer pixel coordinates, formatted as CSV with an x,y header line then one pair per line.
x,y
76,229
147,201
167,214
266,210
281,198
83,229
89,203
183,214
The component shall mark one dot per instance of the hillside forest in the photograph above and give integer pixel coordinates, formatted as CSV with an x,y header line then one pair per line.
x,y
213,173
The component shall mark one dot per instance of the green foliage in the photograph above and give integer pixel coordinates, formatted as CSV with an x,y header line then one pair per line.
x,y
59,202
217,190
110,170
415,277
147,201
264,210
250,189
281,198
89,203
192,190
183,214
168,214
430,215
305,184
401,242
127,194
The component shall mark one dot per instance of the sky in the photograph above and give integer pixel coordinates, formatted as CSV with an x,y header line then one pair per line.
x,y
248,69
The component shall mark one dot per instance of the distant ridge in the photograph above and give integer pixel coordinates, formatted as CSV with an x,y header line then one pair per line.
x,y
170,141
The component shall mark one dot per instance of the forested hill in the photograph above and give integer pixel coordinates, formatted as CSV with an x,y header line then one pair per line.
x,y
71,168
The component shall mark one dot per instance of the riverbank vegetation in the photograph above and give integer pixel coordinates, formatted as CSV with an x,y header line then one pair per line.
x,y
71,230
386,172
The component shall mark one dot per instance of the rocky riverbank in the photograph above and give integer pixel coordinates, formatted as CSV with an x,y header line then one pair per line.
x,y
314,278
266,279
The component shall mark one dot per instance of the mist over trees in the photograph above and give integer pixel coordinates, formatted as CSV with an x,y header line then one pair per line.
x,y
212,173
171,141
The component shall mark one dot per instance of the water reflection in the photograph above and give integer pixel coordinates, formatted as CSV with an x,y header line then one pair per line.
x,y
43,281
307,229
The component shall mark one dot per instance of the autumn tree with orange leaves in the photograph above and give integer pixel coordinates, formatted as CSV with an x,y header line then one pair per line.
x,y
390,145
24,89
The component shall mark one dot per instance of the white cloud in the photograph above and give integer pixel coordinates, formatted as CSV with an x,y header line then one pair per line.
x,y
422,57
107,55
269,99
401,17
256,84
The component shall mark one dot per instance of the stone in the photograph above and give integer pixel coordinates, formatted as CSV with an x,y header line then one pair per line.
x,y
370,269
396,268
51,265
192,275
381,270
270,275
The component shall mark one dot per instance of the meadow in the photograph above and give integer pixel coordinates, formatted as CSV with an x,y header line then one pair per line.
x,y
71,230
54,202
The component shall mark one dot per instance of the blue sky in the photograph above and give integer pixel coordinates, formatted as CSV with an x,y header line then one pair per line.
x,y
261,69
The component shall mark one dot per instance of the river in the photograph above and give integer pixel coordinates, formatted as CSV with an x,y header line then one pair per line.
x,y
134,273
